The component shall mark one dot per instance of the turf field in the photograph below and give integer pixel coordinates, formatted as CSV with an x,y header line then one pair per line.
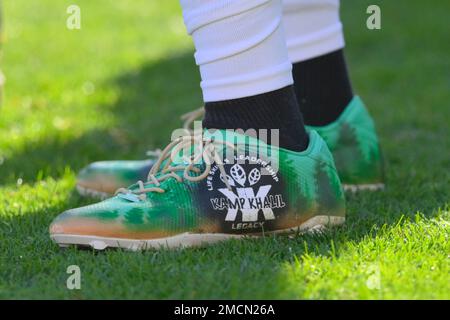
x,y
116,87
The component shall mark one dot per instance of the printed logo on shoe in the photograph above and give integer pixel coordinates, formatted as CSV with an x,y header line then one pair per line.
x,y
254,200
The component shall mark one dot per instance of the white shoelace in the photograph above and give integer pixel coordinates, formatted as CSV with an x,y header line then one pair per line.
x,y
158,174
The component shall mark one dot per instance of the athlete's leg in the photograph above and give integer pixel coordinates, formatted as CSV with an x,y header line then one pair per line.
x,y
242,58
246,83
315,42
245,68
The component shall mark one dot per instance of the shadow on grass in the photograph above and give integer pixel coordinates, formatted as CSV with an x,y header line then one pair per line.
x,y
150,103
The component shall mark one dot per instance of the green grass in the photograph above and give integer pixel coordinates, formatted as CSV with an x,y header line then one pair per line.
x,y
116,87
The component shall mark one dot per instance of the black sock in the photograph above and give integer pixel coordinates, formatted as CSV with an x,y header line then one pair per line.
x,y
272,110
323,88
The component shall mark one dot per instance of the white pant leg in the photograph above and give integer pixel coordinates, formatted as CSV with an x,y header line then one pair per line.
x,y
313,28
240,46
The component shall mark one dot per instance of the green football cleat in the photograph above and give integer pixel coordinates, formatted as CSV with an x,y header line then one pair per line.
x,y
192,197
353,141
